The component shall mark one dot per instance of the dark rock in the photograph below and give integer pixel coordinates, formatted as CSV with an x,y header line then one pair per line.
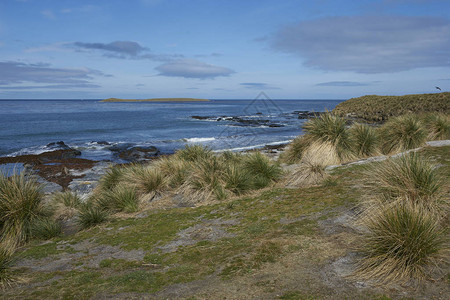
x,y
59,155
135,154
53,166
200,117
240,121
120,147
105,143
304,114
58,146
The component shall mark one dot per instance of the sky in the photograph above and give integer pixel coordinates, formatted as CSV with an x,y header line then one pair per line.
x,y
222,49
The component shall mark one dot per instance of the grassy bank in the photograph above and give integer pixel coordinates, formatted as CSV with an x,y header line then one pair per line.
x,y
279,243
156,100
199,225
380,108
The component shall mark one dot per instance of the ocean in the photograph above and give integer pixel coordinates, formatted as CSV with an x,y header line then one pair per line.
x,y
91,126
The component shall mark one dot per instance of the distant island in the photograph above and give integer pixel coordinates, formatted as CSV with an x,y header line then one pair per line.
x,y
156,100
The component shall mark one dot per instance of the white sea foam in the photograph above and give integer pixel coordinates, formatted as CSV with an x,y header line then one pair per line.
x,y
200,140
253,146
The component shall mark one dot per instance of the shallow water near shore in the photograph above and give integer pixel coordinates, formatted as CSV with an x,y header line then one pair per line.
x,y
28,126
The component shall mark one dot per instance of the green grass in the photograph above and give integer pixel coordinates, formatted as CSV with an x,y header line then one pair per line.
x,y
194,153
112,178
263,170
409,176
68,198
402,133
381,108
438,126
46,228
91,215
121,199
147,180
364,140
6,275
401,242
237,179
20,205
175,169
274,235
403,219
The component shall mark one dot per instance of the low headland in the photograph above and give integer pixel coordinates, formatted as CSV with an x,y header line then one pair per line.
x,y
374,108
347,211
156,100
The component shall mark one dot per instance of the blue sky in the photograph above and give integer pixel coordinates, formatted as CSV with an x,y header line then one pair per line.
x,y
223,49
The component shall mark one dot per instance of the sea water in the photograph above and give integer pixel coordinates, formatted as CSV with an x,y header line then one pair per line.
x,y
27,126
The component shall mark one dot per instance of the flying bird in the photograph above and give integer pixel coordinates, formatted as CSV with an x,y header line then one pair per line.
x,y
438,88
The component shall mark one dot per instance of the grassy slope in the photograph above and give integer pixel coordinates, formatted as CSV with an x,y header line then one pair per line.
x,y
155,100
379,108
279,243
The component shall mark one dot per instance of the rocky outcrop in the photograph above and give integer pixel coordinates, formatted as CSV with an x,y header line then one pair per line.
x,y
240,121
53,166
305,114
132,153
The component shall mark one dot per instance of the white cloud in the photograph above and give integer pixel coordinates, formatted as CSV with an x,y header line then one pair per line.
x,y
368,44
190,68
21,73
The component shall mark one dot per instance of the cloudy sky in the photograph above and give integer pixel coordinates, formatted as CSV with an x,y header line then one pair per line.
x,y
223,49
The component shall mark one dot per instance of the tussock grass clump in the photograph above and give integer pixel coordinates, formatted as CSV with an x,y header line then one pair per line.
x,y
147,180
6,275
307,174
174,169
68,199
364,140
194,172
402,133
66,204
296,149
20,205
122,198
207,174
311,170
321,153
332,129
408,176
112,178
438,127
46,228
262,169
400,242
91,215
194,153
237,180
232,158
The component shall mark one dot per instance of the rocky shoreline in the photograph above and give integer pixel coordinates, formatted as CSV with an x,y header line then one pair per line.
x,y
62,168
257,120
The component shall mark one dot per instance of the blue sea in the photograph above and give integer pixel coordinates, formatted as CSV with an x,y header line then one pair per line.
x,y
91,126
